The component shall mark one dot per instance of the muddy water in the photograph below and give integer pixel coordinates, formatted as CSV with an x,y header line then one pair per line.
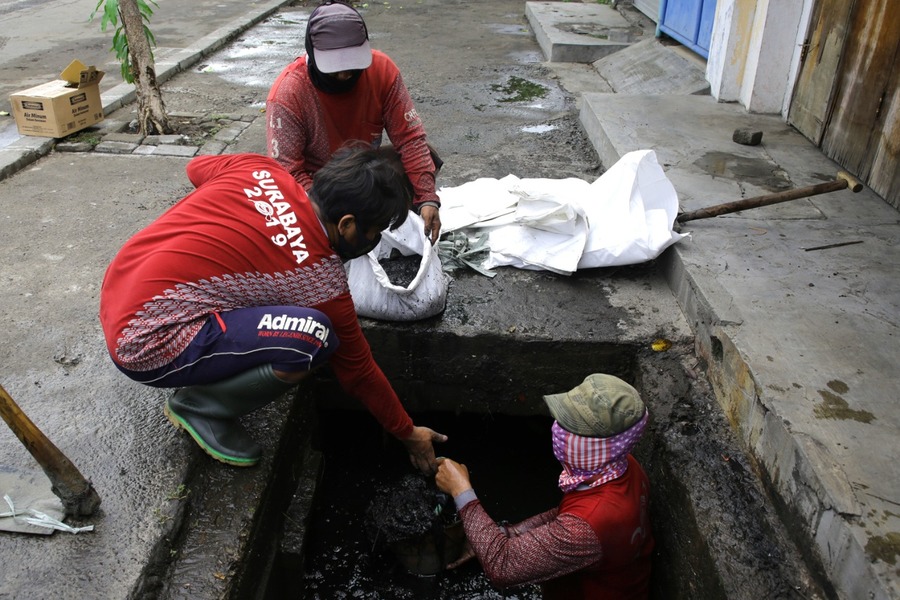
x,y
512,469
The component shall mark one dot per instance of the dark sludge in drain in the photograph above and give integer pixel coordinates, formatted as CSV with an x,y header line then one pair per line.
x,y
376,530
417,523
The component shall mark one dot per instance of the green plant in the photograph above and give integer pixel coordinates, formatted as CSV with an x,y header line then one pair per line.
x,y
518,90
90,137
110,11
160,516
178,493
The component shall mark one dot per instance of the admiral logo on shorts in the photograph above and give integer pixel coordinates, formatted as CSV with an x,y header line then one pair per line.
x,y
285,326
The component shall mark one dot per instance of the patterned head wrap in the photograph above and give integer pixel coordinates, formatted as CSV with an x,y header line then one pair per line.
x,y
584,458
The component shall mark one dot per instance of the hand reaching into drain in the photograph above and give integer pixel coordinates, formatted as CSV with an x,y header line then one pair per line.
x,y
453,478
420,445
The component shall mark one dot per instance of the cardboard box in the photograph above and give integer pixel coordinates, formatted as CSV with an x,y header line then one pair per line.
x,y
58,108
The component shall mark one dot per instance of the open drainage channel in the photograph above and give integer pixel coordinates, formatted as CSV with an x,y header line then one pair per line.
x,y
331,526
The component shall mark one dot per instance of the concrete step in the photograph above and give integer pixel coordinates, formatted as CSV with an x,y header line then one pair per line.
x,y
654,66
579,32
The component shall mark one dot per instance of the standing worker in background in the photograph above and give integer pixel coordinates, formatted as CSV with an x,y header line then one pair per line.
x,y
237,292
341,91
597,543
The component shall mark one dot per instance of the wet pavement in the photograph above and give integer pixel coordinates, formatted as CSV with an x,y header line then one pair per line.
x,y
798,343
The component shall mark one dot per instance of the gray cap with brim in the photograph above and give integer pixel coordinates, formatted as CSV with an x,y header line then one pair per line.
x,y
340,39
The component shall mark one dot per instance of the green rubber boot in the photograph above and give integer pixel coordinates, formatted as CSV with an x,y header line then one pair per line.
x,y
210,413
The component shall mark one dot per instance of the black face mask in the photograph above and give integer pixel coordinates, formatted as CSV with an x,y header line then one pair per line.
x,y
348,251
324,81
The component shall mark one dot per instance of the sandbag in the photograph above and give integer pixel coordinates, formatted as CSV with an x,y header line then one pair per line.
x,y
376,297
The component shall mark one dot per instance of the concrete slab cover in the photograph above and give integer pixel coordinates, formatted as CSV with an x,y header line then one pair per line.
x,y
652,67
578,32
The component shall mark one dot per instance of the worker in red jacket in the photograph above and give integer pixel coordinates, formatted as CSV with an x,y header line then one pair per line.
x,y
597,543
238,291
342,90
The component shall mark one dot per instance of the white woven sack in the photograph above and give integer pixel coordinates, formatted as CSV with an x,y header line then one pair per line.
x,y
374,295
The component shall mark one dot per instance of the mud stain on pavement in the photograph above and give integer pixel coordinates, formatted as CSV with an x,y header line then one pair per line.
x,y
835,407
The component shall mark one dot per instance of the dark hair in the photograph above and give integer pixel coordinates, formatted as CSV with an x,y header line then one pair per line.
x,y
368,183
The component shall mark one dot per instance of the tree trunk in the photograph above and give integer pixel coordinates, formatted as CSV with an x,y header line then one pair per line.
x,y
152,116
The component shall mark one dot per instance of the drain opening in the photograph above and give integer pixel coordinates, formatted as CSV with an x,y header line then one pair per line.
x,y
717,534
513,471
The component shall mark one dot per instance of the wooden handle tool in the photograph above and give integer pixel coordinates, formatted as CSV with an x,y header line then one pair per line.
x,y
843,180
77,493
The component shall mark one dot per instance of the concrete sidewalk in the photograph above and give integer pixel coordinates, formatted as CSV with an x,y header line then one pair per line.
x,y
185,35
64,217
794,306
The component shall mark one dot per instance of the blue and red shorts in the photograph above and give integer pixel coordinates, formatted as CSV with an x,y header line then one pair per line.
x,y
290,338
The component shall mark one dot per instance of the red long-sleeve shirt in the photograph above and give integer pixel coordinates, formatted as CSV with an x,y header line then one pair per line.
x,y
595,546
247,236
306,125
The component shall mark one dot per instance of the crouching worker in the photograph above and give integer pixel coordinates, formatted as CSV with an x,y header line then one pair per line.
x,y
237,292
597,543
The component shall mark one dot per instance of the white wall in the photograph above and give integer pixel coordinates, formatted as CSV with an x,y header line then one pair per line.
x,y
754,52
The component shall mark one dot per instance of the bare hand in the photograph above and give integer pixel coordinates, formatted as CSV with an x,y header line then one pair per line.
x,y
452,478
432,217
421,449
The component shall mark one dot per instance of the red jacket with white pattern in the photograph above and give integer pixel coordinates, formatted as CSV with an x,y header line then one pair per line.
x,y
247,236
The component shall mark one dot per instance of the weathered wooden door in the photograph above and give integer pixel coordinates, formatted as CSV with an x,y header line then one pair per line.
x,y
846,98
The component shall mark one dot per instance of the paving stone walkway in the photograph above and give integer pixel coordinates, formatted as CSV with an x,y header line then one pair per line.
x,y
201,134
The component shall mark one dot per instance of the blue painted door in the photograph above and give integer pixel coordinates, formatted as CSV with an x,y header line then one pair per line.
x,y
689,22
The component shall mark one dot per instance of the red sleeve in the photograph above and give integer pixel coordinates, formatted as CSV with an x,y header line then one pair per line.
x,y
407,133
285,140
532,522
563,545
286,134
358,373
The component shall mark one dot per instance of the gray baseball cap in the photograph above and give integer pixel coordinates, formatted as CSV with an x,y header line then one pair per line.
x,y
601,406
339,38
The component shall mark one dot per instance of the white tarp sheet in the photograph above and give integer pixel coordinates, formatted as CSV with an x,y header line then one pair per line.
x,y
562,225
